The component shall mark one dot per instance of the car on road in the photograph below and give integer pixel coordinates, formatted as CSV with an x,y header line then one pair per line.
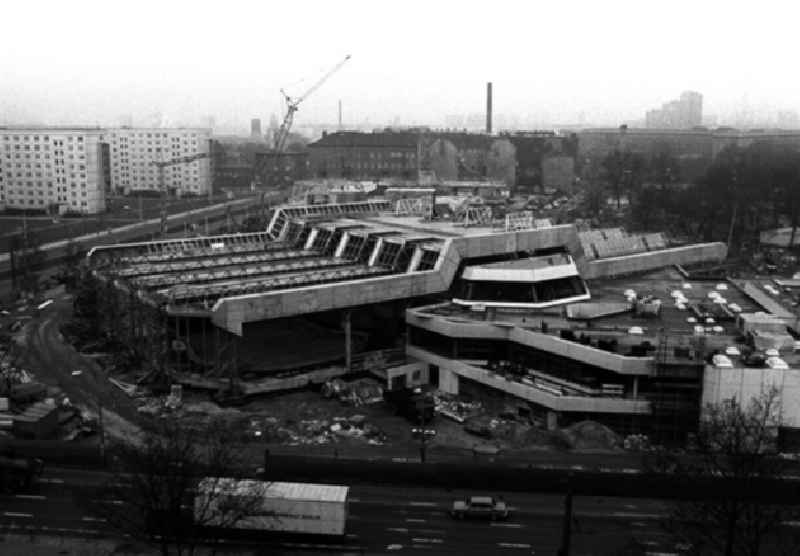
x,y
480,507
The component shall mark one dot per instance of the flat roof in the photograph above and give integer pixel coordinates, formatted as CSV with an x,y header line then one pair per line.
x,y
529,263
287,491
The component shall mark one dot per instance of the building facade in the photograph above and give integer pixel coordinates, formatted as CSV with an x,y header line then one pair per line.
x,y
272,171
54,170
516,159
356,155
134,150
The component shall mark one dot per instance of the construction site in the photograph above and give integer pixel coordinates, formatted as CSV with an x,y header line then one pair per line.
x,y
366,292
361,309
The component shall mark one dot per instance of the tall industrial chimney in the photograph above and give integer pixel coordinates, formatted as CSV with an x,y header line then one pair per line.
x,y
255,128
340,113
489,108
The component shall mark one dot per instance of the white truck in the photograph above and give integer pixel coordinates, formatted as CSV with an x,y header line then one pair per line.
x,y
272,506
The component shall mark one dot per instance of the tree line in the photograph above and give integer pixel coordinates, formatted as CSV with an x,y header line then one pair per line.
x,y
743,191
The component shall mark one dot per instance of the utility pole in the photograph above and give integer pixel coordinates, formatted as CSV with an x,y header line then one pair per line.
x,y
566,527
424,435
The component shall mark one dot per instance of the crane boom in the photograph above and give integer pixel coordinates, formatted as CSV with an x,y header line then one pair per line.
x,y
292,105
179,160
323,79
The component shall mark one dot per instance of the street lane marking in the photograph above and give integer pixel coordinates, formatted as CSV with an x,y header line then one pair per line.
x,y
356,500
424,504
630,507
397,529
426,540
16,514
414,520
52,480
513,545
114,502
90,518
30,496
637,515
430,531
508,525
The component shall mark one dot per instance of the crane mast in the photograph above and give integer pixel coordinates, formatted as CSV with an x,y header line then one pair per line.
x,y
292,105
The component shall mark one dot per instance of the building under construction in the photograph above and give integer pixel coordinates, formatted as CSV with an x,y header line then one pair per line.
x,y
324,285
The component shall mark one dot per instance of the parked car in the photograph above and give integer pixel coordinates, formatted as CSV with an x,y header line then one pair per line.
x,y
480,507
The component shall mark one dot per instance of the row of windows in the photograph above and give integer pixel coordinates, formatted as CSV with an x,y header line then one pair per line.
x,y
25,138
33,202
38,156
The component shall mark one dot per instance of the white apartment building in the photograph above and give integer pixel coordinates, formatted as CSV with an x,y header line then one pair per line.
x,y
56,170
133,150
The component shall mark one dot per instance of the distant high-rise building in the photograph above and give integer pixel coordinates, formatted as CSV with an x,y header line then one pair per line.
x,y
255,128
683,113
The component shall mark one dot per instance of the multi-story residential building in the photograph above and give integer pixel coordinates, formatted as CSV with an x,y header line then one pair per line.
x,y
56,170
134,150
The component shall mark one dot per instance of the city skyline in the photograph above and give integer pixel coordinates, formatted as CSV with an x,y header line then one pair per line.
x,y
542,71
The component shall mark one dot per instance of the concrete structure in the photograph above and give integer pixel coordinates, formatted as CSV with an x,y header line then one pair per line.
x,y
683,113
53,169
133,150
333,278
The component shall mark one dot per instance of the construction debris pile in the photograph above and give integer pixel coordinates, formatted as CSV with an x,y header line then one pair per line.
x,y
357,393
591,435
32,410
315,431
451,407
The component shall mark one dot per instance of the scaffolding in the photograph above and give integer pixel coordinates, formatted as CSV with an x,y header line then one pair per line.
x,y
284,215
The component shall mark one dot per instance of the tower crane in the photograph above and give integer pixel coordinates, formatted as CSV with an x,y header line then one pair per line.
x,y
161,164
292,105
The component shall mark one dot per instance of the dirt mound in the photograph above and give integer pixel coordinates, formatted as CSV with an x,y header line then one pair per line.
x,y
591,435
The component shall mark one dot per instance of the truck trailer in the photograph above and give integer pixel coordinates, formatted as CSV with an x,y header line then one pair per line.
x,y
252,505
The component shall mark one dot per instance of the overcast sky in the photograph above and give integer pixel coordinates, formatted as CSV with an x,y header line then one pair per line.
x,y
95,61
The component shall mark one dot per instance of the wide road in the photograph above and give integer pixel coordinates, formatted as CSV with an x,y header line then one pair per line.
x,y
385,520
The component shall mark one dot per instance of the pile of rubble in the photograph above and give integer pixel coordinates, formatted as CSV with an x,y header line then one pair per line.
x,y
315,431
637,443
32,410
359,392
591,435
458,410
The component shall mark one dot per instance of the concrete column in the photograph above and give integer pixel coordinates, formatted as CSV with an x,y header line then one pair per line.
x,y
552,420
342,244
311,237
448,381
635,387
348,344
415,259
375,252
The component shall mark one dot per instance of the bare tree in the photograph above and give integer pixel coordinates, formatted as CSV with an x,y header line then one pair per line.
x,y
175,484
735,442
